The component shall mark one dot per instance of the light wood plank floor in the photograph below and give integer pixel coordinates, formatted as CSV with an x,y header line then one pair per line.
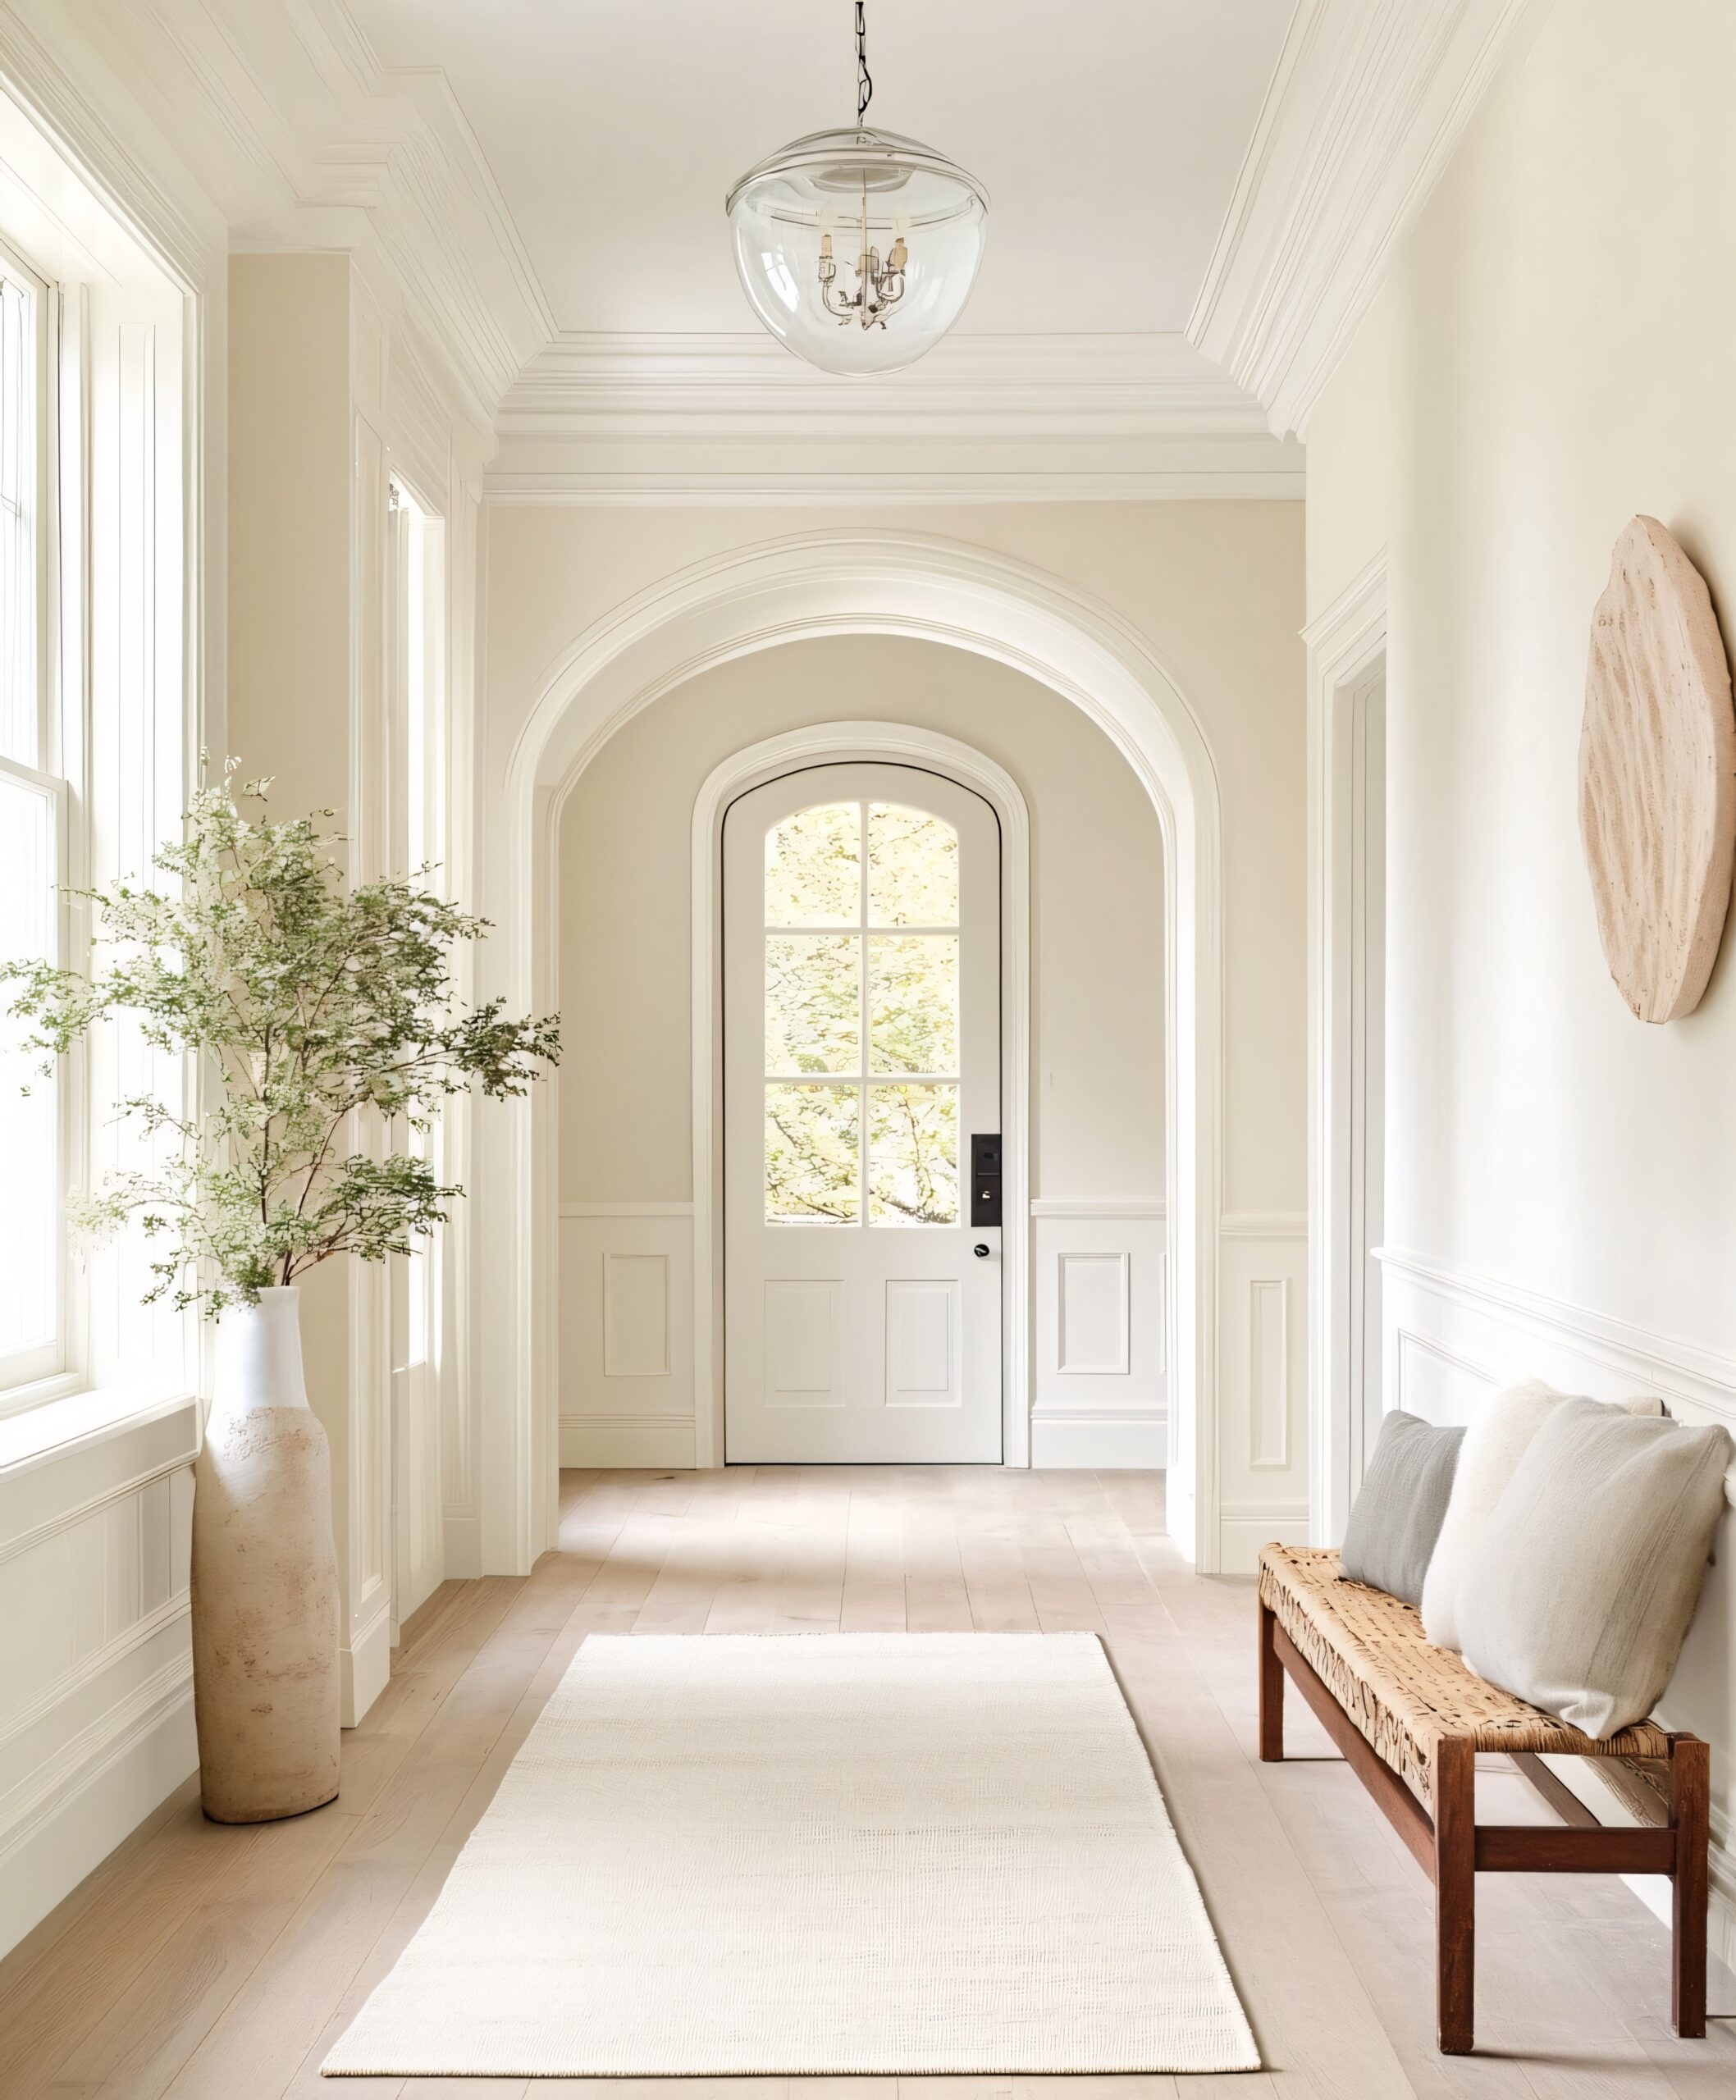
x,y
221,1963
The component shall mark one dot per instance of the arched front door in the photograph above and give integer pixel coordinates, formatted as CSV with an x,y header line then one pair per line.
x,y
862,1056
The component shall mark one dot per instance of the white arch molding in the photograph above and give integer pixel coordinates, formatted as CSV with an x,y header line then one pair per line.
x,y
848,581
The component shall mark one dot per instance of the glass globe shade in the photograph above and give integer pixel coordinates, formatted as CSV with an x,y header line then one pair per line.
x,y
802,220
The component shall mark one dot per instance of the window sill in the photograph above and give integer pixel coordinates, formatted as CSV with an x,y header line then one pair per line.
x,y
60,1428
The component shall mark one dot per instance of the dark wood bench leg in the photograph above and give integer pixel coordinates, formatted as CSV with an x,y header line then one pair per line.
x,y
1455,1894
1272,1692
1690,1783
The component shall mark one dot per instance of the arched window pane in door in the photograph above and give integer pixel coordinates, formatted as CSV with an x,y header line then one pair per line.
x,y
813,867
844,1007
912,868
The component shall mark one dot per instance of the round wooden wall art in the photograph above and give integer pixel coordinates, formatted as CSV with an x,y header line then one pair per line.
x,y
1657,774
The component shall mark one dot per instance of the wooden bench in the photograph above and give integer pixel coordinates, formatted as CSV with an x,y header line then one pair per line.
x,y
1410,1718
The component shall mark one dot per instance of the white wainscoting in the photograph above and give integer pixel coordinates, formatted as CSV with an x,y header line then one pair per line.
x,y
1263,1384
1099,1397
627,1335
96,1690
1452,1337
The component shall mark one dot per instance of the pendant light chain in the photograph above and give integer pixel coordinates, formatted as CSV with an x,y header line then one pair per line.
x,y
864,78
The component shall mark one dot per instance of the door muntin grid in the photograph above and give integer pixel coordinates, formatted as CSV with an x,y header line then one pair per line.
x,y
862,1050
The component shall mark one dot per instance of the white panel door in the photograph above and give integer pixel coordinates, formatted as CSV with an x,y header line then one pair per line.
x,y
861,1051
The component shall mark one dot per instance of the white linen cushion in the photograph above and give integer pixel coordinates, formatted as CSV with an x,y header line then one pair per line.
x,y
1587,1574
1499,1435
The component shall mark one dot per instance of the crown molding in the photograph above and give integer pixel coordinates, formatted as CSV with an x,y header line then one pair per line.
x,y
1368,102
303,139
736,419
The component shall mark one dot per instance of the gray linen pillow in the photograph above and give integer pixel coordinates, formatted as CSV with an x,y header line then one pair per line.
x,y
1396,1518
1588,1568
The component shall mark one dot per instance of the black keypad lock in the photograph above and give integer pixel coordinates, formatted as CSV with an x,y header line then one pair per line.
x,y
986,1179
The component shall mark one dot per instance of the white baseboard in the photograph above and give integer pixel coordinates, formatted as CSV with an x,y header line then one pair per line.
x,y
649,1443
1244,1528
1127,1440
367,1658
464,1543
103,1787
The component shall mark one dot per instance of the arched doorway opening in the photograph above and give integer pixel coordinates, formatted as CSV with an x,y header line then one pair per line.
x,y
843,583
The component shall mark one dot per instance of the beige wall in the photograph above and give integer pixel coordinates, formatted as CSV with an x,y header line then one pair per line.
x,y
289,442
1215,591
1096,910
1550,356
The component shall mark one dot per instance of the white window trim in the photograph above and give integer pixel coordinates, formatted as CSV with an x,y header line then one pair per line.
x,y
114,293
56,1368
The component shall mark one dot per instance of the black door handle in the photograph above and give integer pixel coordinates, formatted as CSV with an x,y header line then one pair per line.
x,y
981,1249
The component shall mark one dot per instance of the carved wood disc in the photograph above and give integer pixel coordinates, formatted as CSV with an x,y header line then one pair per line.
x,y
1657,774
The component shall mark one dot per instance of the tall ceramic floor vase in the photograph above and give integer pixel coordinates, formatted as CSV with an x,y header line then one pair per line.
x,y
265,1597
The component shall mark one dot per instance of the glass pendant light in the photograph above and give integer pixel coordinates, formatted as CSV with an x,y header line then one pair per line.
x,y
858,248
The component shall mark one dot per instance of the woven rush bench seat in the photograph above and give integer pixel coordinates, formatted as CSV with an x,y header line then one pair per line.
x,y
1410,1719
1402,1693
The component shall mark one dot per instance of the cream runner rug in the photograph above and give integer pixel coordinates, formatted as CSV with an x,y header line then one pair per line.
x,y
859,1852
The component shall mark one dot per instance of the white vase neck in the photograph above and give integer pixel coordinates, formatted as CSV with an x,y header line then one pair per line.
x,y
258,1354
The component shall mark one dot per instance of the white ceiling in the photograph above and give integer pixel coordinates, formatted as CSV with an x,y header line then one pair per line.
x,y
1109,133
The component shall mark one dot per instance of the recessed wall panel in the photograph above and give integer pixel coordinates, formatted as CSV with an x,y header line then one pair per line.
x,y
1093,1326
635,1315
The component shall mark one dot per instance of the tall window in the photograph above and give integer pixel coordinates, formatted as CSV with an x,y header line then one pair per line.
x,y
96,709
32,810
861,1017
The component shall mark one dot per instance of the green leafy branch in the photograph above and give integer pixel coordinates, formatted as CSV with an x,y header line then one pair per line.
x,y
310,1003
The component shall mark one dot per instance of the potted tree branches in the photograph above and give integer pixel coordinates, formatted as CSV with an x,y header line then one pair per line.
x,y
315,1015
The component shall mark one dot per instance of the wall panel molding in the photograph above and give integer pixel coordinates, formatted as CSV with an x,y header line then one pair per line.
x,y
626,1355
1270,1396
1262,1299
1096,1207
1099,1389
96,1721
1670,1365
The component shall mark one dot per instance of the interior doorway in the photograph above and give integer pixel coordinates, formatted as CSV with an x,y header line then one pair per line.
x,y
862,1116
1347,1059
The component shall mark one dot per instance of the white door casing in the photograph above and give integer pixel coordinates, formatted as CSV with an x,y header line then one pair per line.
x,y
861,1051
